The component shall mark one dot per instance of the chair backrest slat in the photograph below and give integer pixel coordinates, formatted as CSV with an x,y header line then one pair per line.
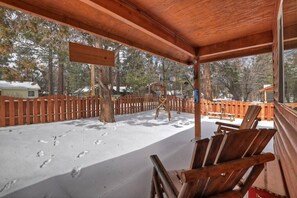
x,y
199,153
213,150
216,143
250,117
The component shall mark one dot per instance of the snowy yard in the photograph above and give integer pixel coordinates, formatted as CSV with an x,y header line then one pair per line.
x,y
85,158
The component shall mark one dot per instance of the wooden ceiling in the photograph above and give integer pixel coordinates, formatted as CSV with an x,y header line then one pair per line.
x,y
176,29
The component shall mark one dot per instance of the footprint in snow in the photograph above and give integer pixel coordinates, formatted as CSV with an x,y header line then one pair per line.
x,y
60,136
82,154
8,185
76,172
56,143
48,195
43,141
46,162
104,134
40,153
98,142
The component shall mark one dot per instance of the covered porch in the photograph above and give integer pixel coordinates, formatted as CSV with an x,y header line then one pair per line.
x,y
192,33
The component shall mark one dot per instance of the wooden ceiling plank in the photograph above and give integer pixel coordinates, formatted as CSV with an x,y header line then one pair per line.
x,y
56,16
138,19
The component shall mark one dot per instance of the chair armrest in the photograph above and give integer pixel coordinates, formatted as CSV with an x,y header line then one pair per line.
x,y
227,125
233,165
163,175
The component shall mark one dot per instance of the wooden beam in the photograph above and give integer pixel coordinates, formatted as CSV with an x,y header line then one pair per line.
x,y
128,13
90,55
247,46
245,43
54,15
237,54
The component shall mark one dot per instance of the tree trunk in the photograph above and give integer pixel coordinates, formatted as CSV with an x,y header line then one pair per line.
x,y
61,79
105,84
208,93
118,77
93,79
107,113
50,73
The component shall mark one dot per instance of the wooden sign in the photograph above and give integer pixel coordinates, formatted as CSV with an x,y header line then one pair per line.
x,y
90,55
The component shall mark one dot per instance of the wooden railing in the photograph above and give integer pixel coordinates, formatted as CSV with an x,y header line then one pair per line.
x,y
19,111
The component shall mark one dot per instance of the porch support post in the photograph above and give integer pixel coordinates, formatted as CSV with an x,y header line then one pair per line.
x,y
197,103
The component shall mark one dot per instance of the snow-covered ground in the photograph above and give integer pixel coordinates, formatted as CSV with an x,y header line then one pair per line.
x,y
85,158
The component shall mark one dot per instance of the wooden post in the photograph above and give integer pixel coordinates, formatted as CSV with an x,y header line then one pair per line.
x,y
35,111
50,109
68,103
28,112
74,108
57,109
79,107
21,112
2,112
43,110
62,108
197,105
11,112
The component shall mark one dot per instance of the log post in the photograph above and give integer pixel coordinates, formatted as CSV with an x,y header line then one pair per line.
x,y
197,104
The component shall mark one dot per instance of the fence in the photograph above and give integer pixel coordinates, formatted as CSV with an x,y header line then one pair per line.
x,y
238,108
19,111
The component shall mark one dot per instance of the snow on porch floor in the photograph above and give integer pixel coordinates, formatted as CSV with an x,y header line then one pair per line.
x,y
85,158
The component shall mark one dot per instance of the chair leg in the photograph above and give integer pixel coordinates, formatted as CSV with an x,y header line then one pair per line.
x,y
156,186
153,191
251,178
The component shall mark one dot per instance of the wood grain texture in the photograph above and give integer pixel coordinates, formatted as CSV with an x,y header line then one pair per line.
x,y
170,28
285,119
90,55
129,14
221,164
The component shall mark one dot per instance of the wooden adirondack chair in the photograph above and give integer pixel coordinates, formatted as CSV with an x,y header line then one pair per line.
x,y
250,121
219,166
